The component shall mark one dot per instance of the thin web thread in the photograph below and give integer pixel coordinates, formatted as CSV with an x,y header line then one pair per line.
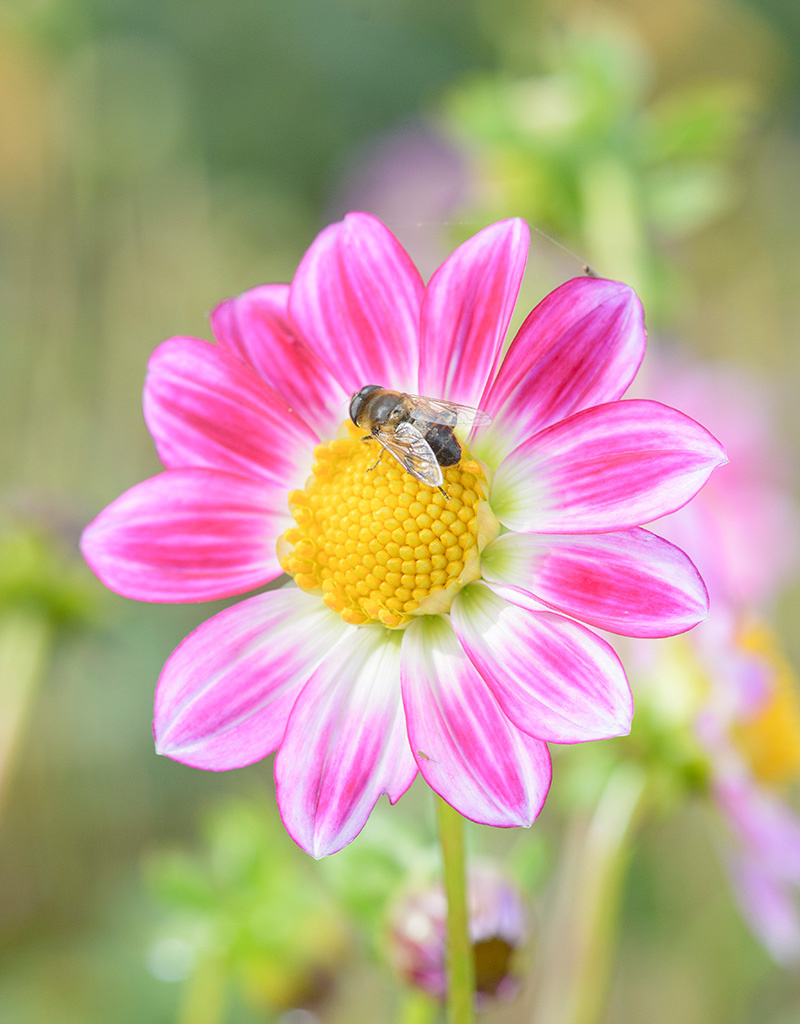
x,y
585,265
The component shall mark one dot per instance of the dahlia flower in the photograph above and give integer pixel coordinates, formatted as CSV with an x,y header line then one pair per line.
x,y
425,632
743,531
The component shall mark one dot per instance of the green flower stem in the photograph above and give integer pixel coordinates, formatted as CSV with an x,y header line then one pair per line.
x,y
25,639
613,222
460,962
574,963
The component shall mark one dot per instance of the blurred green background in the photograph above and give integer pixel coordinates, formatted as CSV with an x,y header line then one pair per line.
x,y
156,157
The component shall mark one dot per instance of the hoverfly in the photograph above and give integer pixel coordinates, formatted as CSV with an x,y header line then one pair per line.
x,y
417,431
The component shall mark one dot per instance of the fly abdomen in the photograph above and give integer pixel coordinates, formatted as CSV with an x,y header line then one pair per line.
x,y
444,444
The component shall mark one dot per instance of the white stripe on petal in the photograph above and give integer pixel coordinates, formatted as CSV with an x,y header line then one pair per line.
x,y
256,327
225,693
466,748
630,582
345,743
554,678
581,346
355,300
607,468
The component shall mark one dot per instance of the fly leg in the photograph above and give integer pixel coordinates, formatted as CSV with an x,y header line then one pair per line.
x,y
380,454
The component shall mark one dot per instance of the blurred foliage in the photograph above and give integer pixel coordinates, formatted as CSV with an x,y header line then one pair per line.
x,y
35,574
246,911
662,742
584,151
368,874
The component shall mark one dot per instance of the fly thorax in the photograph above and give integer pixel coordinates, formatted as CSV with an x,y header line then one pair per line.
x,y
387,408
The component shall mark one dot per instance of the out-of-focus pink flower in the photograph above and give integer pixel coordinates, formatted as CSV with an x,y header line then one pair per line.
x,y
743,534
417,933
416,181
750,727
743,531
417,637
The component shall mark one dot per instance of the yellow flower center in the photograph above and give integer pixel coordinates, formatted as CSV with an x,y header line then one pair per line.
x,y
770,739
376,542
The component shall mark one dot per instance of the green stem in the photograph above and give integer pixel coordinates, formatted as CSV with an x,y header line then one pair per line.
x,y
460,963
613,225
25,638
574,965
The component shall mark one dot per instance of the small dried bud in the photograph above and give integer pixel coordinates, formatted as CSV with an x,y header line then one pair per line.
x,y
418,930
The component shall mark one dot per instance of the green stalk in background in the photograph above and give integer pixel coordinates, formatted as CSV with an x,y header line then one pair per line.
x,y
575,962
39,592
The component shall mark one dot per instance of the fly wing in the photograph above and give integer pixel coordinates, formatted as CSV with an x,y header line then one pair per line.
x,y
436,410
412,451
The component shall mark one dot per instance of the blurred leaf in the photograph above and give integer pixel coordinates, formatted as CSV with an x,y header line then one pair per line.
x,y
608,67
179,882
582,152
530,861
35,572
480,109
698,122
366,874
252,902
683,199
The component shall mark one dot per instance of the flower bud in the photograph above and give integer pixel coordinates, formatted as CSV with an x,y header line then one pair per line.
x,y
418,933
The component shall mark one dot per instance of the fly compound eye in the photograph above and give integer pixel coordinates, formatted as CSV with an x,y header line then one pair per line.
x,y
358,399
355,406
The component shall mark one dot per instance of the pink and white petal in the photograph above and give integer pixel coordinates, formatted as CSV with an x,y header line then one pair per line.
x,y
345,743
554,678
514,595
206,408
250,324
607,468
630,582
466,748
769,906
355,300
580,347
255,326
187,535
467,309
225,693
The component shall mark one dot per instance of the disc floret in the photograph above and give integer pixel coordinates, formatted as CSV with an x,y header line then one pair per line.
x,y
376,542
